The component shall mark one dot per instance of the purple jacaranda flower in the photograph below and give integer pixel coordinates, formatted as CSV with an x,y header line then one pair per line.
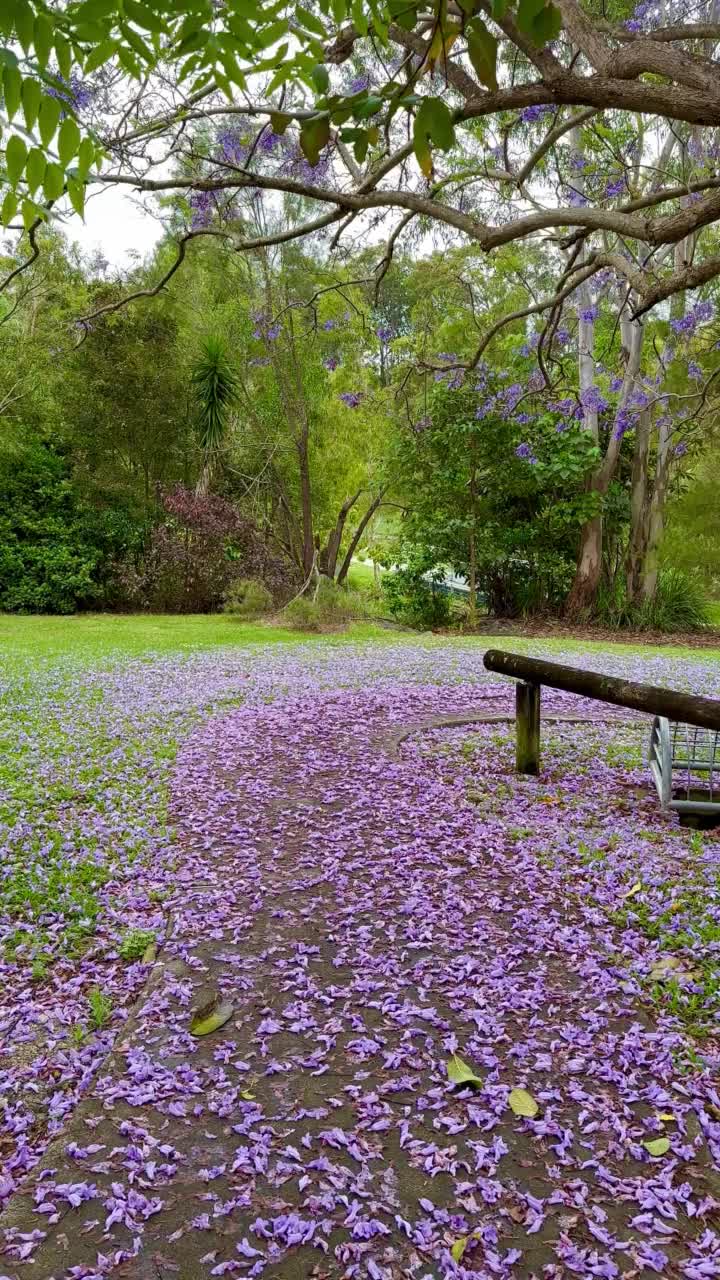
x,y
525,452
351,398
592,400
680,449
589,315
531,115
331,363
615,186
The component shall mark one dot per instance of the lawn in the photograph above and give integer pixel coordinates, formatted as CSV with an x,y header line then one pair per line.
x,y
92,713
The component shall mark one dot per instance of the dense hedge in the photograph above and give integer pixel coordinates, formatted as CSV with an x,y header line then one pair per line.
x,y
56,549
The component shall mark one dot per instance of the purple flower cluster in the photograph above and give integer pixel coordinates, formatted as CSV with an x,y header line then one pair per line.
x,y
531,115
525,452
203,207
76,92
699,314
592,400
590,314
351,398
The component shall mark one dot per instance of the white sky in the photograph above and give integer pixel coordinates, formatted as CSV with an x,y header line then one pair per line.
x,y
116,223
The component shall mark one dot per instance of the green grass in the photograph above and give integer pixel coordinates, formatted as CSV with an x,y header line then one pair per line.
x,y
361,576
713,608
94,637
91,636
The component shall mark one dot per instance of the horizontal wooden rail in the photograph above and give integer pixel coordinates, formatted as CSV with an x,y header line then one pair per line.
x,y
535,672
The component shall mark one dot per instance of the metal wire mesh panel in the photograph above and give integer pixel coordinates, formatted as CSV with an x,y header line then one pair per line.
x,y
685,763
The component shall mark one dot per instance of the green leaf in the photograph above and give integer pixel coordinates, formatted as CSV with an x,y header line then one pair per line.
x,y
144,17
279,121
30,214
44,36
143,50
435,121
54,181
636,888
404,13
86,157
320,78
368,107
458,1249
522,1103
310,22
25,27
314,135
9,208
69,139
460,1073
12,89
101,54
360,148
527,12
657,1146
49,118
92,10
499,8
31,98
15,157
76,192
63,53
547,25
482,51
211,1018
35,168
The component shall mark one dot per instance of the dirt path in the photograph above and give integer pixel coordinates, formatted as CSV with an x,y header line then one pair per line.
x,y
365,927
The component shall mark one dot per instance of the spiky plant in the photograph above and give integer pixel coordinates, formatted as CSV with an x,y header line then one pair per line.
x,y
215,388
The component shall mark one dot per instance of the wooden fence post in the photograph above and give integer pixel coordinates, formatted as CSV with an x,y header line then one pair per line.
x,y
527,727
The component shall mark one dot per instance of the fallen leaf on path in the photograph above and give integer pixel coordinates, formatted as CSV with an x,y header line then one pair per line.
x,y
206,1020
523,1103
460,1073
657,1146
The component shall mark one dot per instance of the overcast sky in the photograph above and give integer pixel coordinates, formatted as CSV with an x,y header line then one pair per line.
x,y
115,223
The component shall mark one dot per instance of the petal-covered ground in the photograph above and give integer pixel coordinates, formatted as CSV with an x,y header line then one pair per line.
x,y
372,910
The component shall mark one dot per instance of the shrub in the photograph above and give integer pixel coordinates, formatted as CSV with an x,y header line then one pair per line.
x,y
331,606
247,598
679,604
414,600
56,550
199,546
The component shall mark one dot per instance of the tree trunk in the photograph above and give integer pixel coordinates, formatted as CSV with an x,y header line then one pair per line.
x,y
472,550
327,562
637,543
354,541
583,592
308,544
656,520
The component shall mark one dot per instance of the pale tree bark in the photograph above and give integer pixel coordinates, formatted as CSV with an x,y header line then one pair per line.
x,y
589,559
639,489
650,484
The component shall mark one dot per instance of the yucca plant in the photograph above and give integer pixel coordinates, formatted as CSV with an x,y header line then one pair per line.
x,y
216,390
